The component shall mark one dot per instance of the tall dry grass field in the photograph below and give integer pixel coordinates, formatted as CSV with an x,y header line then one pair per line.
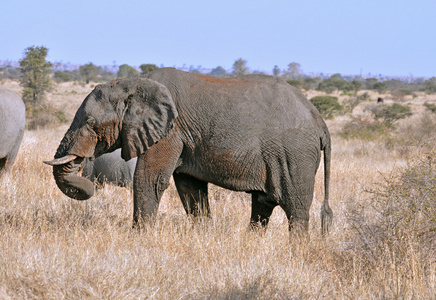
x,y
53,247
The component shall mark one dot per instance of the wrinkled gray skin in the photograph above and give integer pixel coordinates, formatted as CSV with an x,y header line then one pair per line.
x,y
12,122
110,168
255,133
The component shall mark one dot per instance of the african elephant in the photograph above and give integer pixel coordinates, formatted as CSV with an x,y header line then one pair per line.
x,y
254,133
12,122
110,168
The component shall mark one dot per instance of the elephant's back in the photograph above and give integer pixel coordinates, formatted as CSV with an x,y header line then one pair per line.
x,y
261,98
225,111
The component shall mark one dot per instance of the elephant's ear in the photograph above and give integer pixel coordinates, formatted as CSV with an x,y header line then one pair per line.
x,y
148,117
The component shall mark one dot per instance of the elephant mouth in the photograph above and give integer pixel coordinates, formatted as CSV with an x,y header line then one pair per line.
x,y
66,173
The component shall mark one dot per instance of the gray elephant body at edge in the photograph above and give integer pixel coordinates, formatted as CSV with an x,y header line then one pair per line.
x,y
110,168
254,133
12,123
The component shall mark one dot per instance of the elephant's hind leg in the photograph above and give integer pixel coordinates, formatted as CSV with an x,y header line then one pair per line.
x,y
297,193
261,210
292,178
193,193
297,211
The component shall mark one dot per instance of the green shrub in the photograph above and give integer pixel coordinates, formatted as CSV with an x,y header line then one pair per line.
x,y
328,106
389,113
392,113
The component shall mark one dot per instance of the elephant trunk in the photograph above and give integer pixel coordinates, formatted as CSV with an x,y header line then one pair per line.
x,y
77,144
69,182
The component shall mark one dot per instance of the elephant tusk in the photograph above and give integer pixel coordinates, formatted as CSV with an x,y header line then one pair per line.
x,y
61,160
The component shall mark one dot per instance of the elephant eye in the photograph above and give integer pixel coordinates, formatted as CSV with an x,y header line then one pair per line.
x,y
90,121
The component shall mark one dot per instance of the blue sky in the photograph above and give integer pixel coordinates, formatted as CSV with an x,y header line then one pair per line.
x,y
394,38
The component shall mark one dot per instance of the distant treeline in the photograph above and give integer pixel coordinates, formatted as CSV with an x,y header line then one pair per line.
x,y
293,75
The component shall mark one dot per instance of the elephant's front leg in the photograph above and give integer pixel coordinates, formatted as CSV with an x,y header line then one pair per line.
x,y
152,175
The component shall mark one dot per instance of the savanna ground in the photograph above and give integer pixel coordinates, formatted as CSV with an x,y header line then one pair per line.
x,y
382,244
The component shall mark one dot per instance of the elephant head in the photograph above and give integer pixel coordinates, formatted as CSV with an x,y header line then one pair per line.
x,y
132,114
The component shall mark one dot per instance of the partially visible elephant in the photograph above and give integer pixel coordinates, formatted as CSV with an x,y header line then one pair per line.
x,y
12,123
253,133
110,168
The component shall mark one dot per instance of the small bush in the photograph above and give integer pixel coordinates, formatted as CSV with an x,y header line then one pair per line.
x,y
365,130
430,106
328,106
43,116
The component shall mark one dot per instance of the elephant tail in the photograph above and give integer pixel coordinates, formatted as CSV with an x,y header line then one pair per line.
x,y
326,212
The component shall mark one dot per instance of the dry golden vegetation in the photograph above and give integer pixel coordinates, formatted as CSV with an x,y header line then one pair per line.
x,y
382,245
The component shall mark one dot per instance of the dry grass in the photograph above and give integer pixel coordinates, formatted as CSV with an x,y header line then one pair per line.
x,y
55,248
